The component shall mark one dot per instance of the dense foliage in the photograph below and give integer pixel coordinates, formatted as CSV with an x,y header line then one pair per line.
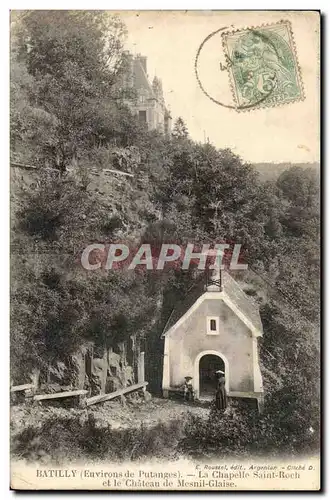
x,y
69,117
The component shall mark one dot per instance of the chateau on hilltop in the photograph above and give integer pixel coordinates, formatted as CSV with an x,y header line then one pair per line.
x,y
149,103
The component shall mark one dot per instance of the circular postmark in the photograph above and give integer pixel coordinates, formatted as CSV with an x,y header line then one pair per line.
x,y
261,66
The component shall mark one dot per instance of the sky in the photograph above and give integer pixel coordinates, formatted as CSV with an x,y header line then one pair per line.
x,y
170,40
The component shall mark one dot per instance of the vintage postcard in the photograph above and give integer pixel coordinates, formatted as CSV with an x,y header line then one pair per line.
x,y
165,250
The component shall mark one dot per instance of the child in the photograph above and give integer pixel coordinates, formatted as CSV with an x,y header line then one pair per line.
x,y
188,390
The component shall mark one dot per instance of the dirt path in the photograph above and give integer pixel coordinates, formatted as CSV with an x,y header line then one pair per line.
x,y
149,413
119,415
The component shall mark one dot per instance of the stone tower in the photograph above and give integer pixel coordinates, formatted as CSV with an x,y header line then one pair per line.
x,y
149,103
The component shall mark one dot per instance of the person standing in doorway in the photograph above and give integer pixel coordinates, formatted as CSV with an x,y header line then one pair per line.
x,y
220,395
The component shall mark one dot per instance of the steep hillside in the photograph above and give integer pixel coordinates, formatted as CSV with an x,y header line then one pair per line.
x,y
271,171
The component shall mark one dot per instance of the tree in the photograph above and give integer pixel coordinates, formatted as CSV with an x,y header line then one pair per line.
x,y
72,62
180,130
56,305
299,190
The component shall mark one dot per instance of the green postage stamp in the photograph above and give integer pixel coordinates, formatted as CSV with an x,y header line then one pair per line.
x,y
263,66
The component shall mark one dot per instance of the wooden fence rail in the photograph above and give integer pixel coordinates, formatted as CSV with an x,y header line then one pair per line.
x,y
58,395
80,393
106,397
23,387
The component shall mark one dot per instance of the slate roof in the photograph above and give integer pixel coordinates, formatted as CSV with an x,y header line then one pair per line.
x,y
247,306
141,79
193,294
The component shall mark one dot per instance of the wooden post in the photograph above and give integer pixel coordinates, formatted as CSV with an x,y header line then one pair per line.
x,y
35,379
166,369
104,370
135,355
79,366
82,401
260,403
141,374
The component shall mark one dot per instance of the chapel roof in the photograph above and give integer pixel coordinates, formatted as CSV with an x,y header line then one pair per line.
x,y
231,290
247,305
